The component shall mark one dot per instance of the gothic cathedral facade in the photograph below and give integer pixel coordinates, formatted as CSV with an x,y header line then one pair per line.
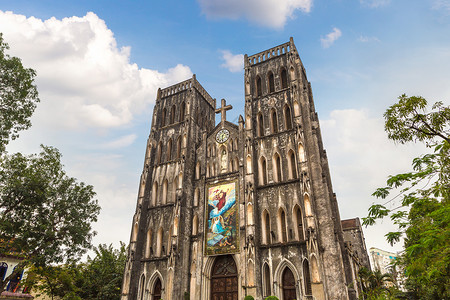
x,y
230,210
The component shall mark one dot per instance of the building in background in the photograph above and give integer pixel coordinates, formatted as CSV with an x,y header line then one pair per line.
x,y
230,210
385,261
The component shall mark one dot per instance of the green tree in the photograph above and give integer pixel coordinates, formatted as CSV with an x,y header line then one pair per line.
x,y
18,96
98,278
423,214
45,215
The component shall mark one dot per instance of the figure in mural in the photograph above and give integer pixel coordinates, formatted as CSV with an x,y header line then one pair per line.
x,y
222,215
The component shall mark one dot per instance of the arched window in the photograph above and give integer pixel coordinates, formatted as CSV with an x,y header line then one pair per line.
x,y
142,288
172,115
307,278
271,83
148,245
195,225
135,232
164,192
159,153
163,118
292,73
249,213
258,86
292,168
287,117
301,153
182,111
266,279
266,227
262,171
196,196
307,201
174,188
296,109
179,147
315,276
274,121
154,193
282,225
283,78
277,167
159,242
197,171
249,164
298,221
230,145
169,150
208,170
260,124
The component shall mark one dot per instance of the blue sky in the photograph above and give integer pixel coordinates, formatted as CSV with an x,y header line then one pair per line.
x,y
99,64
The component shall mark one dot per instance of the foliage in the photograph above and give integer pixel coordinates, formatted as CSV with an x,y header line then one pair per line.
x,y
376,285
423,215
98,278
45,215
271,298
248,297
18,96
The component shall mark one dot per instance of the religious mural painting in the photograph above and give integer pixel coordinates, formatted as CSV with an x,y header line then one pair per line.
x,y
222,219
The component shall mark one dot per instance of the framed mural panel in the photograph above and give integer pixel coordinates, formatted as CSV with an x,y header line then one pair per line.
x,y
222,218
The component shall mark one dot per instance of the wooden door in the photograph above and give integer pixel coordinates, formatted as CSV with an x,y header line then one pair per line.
x,y
289,291
224,279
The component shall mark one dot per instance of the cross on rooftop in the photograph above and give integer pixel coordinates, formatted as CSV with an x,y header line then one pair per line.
x,y
223,110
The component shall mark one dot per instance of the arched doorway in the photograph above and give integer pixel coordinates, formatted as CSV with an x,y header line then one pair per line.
x,y
157,290
224,279
288,284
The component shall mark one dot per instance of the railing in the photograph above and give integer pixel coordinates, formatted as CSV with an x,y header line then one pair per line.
x,y
268,54
184,86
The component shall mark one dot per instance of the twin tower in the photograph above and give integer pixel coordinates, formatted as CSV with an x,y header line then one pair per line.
x,y
230,210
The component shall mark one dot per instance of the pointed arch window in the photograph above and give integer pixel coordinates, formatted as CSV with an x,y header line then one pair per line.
x,y
301,153
277,167
274,120
298,221
164,192
142,288
195,225
307,278
196,196
169,150
154,193
288,284
179,147
172,115
271,83
262,171
283,76
258,86
163,117
266,227
174,188
292,165
260,124
287,117
159,242
159,153
148,247
282,224
182,111
266,279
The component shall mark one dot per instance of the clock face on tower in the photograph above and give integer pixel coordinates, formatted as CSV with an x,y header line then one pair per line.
x,y
222,136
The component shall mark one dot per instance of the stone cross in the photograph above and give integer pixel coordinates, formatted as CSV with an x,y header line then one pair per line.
x,y
223,110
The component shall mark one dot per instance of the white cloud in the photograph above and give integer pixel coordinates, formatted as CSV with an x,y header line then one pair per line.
x,y
367,39
121,142
269,13
330,38
361,157
374,3
85,80
443,5
234,63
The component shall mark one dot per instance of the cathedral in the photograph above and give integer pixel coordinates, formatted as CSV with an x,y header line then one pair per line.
x,y
232,210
